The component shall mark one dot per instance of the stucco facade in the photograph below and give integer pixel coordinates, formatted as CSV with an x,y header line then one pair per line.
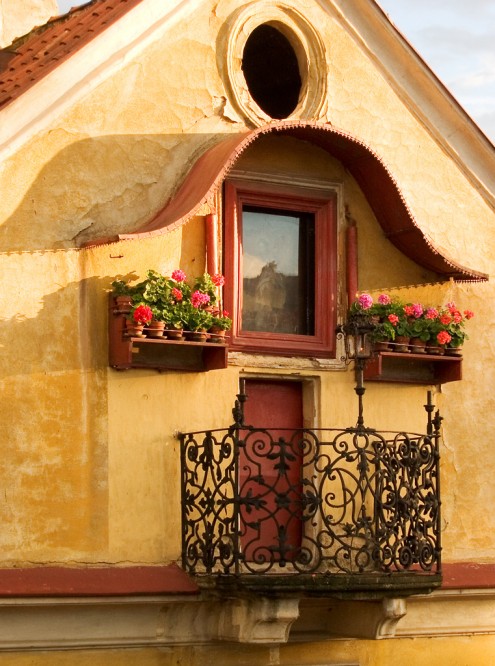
x,y
96,149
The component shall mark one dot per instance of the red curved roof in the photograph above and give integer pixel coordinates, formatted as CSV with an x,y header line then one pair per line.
x,y
372,175
33,56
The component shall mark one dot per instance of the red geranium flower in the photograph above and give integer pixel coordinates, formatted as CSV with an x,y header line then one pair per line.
x,y
393,319
218,279
444,338
142,314
177,294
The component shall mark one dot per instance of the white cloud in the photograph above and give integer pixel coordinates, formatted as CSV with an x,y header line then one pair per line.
x,y
65,5
456,39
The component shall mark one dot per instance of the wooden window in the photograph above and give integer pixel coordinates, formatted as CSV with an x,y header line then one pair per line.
x,y
280,265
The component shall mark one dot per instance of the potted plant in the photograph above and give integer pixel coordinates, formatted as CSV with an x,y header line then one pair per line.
x,y
174,321
382,335
209,285
139,317
173,303
383,314
403,331
455,328
122,296
220,323
196,321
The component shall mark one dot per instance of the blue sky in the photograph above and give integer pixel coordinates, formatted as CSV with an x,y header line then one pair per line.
x,y
457,40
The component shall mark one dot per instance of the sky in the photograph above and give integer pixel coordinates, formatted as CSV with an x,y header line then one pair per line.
x,y
456,38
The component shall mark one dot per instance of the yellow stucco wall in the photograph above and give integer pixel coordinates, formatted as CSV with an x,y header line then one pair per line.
x,y
461,651
88,450
89,459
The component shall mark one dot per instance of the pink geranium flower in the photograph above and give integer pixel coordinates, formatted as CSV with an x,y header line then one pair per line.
x,y
431,313
417,310
384,299
365,301
198,299
179,276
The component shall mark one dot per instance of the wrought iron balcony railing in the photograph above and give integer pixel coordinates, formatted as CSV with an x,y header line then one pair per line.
x,y
312,509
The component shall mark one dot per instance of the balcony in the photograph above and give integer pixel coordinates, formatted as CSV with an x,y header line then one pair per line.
x,y
353,513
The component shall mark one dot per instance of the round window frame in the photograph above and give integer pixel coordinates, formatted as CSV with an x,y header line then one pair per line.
x,y
308,48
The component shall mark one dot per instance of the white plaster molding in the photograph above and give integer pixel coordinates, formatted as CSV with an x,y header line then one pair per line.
x,y
75,623
29,624
449,613
422,92
109,622
87,68
307,44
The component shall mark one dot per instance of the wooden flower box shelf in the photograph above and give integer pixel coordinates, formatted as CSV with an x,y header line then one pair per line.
x,y
413,368
160,354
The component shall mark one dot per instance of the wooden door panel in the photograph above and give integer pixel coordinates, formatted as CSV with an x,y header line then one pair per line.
x,y
270,471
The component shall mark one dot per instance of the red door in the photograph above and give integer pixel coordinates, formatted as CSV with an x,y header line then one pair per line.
x,y
270,471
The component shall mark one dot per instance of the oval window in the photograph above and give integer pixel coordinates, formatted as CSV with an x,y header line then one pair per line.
x,y
271,70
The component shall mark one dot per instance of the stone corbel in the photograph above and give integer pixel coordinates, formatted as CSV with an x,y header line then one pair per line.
x,y
252,620
257,620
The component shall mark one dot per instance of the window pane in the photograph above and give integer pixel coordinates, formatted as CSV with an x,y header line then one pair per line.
x,y
278,258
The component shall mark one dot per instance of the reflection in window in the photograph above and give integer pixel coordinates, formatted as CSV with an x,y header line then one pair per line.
x,y
278,271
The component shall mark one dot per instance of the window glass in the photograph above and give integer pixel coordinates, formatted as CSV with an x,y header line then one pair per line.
x,y
278,271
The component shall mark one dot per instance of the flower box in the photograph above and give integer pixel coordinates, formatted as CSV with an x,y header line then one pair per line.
x,y
403,368
127,352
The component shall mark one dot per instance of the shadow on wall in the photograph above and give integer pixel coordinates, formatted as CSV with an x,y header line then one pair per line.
x,y
63,336
97,188
54,428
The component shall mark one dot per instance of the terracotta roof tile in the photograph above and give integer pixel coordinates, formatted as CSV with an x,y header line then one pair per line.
x,y
33,56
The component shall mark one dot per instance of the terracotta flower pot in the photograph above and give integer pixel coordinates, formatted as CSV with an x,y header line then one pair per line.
x,y
174,334
381,345
134,330
217,334
155,329
453,351
401,344
417,346
434,348
196,336
122,304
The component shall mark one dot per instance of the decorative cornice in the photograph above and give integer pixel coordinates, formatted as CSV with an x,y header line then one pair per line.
x,y
366,166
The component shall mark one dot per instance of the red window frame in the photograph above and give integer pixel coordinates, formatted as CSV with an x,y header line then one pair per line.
x,y
324,207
